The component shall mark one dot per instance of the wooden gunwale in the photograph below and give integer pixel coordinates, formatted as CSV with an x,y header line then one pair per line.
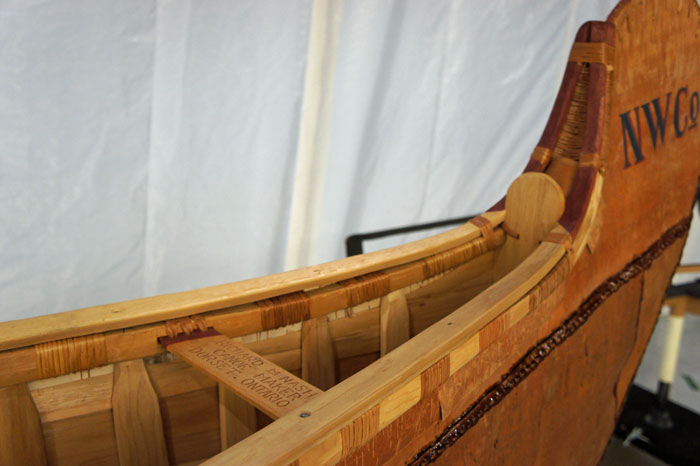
x,y
366,389
232,309
142,341
360,393
24,332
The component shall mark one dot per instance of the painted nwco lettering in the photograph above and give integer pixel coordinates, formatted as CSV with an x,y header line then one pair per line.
x,y
656,112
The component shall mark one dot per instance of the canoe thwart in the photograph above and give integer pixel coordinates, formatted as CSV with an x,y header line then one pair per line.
x,y
257,380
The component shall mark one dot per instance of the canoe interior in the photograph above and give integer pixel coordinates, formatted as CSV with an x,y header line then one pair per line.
x,y
76,409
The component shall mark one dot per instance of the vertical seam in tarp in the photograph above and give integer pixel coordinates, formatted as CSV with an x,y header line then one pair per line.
x,y
314,128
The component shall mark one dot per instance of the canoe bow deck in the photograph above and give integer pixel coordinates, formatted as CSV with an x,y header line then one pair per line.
x,y
511,339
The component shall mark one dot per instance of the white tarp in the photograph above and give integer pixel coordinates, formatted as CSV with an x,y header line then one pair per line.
x,y
150,146
145,147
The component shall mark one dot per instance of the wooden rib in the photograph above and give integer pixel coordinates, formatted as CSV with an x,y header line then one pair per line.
x,y
317,354
257,380
358,394
107,317
190,410
432,301
193,388
237,419
137,422
534,204
394,322
21,437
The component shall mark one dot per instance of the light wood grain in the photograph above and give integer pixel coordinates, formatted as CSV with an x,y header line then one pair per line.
x,y
682,304
191,425
78,424
517,312
394,322
77,420
399,402
464,353
237,417
563,171
328,452
107,317
21,437
176,378
142,341
86,440
534,204
356,335
688,268
18,366
358,394
440,297
317,354
257,380
74,399
137,421
589,232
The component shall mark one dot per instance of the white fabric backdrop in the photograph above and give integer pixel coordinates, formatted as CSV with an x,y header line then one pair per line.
x,y
150,146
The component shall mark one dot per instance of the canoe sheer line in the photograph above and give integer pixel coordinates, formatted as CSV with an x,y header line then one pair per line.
x,y
435,354
539,352
64,356
117,316
567,151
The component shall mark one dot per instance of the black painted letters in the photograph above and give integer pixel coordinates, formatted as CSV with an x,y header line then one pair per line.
x,y
685,114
